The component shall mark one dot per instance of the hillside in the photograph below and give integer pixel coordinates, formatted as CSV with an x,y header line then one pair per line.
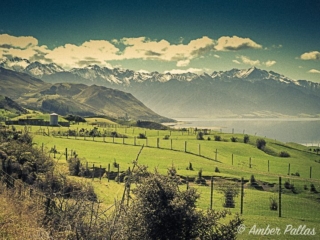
x,y
10,105
68,98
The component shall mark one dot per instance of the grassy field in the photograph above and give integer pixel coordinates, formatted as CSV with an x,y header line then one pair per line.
x,y
234,160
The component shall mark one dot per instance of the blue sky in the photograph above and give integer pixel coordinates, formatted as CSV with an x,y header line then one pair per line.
x,y
176,36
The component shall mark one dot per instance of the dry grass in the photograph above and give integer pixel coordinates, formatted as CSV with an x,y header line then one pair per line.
x,y
19,219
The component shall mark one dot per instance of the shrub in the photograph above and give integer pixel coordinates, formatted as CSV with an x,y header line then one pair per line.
x,y
261,143
273,204
200,179
217,138
230,191
190,166
216,170
246,138
200,136
288,185
234,139
284,154
252,180
142,136
209,138
160,210
166,137
313,188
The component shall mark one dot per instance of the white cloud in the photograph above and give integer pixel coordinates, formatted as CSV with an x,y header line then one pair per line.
x,y
270,63
314,55
90,52
7,41
235,43
183,63
247,60
314,71
236,61
180,71
100,52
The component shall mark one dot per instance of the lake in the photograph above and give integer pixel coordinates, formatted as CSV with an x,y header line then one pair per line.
x,y
300,130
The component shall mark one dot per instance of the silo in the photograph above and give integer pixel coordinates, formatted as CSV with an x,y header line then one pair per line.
x,y
54,119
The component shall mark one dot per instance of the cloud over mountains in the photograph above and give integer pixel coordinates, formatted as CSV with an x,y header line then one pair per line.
x,y
102,51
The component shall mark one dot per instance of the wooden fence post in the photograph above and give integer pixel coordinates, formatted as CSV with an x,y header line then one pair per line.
x,y
216,155
171,144
199,150
280,191
232,158
158,141
310,172
66,154
185,146
268,165
289,169
108,172
211,194
241,197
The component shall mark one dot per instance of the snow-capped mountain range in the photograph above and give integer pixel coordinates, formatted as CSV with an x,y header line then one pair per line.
x,y
237,92
119,76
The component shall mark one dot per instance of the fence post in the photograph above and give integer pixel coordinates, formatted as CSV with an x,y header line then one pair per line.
x,y
185,146
250,162
232,158
289,169
171,144
268,165
199,149
187,182
118,173
216,156
100,171
280,191
211,195
135,139
241,197
310,171
92,172
108,172
66,154
158,141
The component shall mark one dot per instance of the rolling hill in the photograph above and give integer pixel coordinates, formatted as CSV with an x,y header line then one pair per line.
x,y
68,98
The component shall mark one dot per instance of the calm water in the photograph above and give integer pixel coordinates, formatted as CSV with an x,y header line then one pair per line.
x,y
299,130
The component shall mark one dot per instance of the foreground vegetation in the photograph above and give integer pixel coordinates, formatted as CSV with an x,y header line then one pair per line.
x,y
195,156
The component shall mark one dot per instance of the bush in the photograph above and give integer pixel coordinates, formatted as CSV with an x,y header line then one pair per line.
x,y
160,210
216,170
313,188
273,204
252,180
217,138
142,136
200,136
190,166
246,138
230,191
200,179
166,137
234,139
284,154
261,143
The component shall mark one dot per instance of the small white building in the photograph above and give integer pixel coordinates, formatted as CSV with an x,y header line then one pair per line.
x,y
54,119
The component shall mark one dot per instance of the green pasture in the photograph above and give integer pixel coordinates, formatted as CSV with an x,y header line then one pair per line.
x,y
181,148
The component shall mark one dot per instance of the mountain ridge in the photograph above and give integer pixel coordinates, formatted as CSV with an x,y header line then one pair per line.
x,y
71,98
237,92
